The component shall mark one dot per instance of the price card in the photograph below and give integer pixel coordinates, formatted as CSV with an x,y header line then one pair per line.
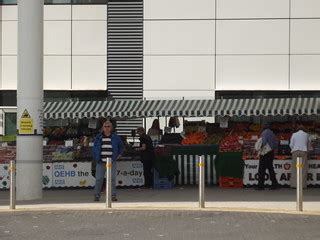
x,y
224,122
284,142
254,137
93,123
68,143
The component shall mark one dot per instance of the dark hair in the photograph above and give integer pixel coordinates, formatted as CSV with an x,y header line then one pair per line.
x,y
301,127
141,130
155,124
266,126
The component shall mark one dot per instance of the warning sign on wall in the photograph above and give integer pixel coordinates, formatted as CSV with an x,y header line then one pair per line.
x,y
26,123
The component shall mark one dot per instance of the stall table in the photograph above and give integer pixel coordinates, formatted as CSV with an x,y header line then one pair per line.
x,y
187,157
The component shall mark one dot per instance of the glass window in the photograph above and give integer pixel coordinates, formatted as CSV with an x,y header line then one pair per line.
x,y
10,124
8,2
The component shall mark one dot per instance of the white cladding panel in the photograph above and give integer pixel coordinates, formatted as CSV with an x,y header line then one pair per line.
x,y
305,8
179,73
253,37
89,72
179,37
57,72
305,36
252,9
89,38
9,37
9,72
57,38
179,9
50,12
252,72
57,12
9,13
89,12
178,95
305,72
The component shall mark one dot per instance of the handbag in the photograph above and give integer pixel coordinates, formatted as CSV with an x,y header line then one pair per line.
x,y
262,150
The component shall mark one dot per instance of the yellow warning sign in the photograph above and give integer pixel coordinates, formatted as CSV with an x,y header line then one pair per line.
x,y
26,123
25,114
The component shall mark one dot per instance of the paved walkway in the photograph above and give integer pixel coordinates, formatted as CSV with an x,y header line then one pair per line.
x,y
247,199
155,225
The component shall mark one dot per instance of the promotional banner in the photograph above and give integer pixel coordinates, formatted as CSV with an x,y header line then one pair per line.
x,y
78,174
129,173
47,175
282,169
5,176
72,174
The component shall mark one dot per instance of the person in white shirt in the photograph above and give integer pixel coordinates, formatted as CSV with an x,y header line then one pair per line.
x,y
299,144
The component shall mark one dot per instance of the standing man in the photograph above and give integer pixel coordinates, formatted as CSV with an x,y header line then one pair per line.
x,y
147,156
106,145
266,160
299,144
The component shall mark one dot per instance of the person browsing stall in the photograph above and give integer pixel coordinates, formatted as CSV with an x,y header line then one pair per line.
x,y
269,144
107,144
147,156
299,144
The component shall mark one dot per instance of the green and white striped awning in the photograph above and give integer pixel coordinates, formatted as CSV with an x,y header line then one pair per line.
x,y
182,108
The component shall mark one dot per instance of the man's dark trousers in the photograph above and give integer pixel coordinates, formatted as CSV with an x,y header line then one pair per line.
x,y
266,162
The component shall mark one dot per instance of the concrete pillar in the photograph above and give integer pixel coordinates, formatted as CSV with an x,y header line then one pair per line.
x,y
30,100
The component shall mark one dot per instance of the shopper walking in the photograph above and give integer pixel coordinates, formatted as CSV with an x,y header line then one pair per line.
x,y
299,144
147,156
107,144
269,143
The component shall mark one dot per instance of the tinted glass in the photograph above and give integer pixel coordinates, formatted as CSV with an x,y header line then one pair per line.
x,y
10,124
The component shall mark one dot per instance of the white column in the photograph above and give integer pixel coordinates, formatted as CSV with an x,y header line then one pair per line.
x,y
30,99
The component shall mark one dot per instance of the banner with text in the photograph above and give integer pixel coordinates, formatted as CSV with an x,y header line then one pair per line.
x,y
282,169
72,174
129,173
5,175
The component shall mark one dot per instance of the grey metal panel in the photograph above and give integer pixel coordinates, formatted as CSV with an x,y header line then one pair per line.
x,y
125,49
125,55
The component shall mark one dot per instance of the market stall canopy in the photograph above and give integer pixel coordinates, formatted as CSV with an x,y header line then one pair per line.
x,y
182,108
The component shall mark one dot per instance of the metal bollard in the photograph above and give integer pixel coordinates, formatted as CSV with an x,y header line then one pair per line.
x,y
201,182
299,184
12,185
108,183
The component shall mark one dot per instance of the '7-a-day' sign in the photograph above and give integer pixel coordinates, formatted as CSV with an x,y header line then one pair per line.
x,y
25,123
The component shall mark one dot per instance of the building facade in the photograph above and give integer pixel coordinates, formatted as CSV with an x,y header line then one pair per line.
x,y
164,49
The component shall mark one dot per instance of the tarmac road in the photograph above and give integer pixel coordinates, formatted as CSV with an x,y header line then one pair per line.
x,y
156,224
